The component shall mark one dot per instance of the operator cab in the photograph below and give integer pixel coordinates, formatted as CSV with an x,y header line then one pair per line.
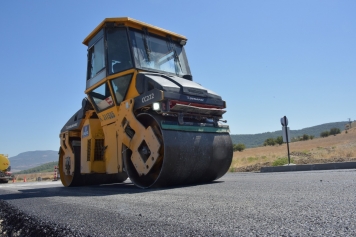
x,y
120,44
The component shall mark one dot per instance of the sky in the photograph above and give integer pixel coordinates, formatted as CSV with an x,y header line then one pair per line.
x,y
267,59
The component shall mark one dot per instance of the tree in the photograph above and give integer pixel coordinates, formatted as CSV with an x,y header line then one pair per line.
x,y
279,140
334,131
239,147
269,142
305,137
325,134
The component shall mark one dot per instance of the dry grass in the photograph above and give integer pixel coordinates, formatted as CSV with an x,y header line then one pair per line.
x,y
341,147
47,176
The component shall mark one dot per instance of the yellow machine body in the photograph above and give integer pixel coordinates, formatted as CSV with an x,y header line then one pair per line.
x,y
5,174
4,162
146,120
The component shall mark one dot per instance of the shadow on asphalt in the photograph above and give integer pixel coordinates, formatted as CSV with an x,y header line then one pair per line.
x,y
84,191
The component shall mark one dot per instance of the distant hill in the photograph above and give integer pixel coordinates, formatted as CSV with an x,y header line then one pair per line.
x,y
32,159
255,140
48,167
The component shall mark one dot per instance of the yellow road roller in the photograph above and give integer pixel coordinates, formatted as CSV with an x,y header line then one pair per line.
x,y
143,116
5,168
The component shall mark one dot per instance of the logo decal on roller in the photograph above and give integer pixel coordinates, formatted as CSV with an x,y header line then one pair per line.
x,y
85,131
194,98
72,126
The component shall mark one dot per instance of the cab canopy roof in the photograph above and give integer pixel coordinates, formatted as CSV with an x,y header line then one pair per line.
x,y
127,21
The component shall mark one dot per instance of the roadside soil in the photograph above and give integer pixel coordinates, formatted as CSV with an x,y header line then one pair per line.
x,y
45,176
339,148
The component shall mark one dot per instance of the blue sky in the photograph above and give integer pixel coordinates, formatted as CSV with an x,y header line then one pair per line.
x,y
267,59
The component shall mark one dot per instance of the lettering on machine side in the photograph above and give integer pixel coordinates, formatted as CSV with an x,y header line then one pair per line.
x,y
195,98
148,97
109,115
72,126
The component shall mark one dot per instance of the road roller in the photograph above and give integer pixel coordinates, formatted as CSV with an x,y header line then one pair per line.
x,y
143,116
5,168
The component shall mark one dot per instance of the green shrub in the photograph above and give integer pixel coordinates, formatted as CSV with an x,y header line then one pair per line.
x,y
334,131
269,142
239,147
305,137
279,140
282,161
325,134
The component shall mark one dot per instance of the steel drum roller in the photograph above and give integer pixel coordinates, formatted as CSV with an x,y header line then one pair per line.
x,y
186,157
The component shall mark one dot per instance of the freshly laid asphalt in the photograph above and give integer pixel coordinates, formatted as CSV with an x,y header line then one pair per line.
x,y
313,203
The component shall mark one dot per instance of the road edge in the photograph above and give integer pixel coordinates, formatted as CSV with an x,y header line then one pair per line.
x,y
308,167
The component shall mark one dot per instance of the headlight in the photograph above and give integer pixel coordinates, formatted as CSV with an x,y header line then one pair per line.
x,y
156,106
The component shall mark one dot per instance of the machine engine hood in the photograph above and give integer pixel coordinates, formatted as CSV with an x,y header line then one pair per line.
x,y
169,83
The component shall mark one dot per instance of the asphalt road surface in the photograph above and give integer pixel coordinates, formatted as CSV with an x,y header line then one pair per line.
x,y
311,203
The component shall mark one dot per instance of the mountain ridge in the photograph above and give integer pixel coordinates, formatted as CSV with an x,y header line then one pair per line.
x,y
30,159
255,140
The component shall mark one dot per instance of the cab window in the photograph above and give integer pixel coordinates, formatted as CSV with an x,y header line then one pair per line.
x,y
119,56
120,86
101,97
158,53
96,58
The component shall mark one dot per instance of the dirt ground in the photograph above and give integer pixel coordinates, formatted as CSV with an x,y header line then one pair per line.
x,y
34,177
339,148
